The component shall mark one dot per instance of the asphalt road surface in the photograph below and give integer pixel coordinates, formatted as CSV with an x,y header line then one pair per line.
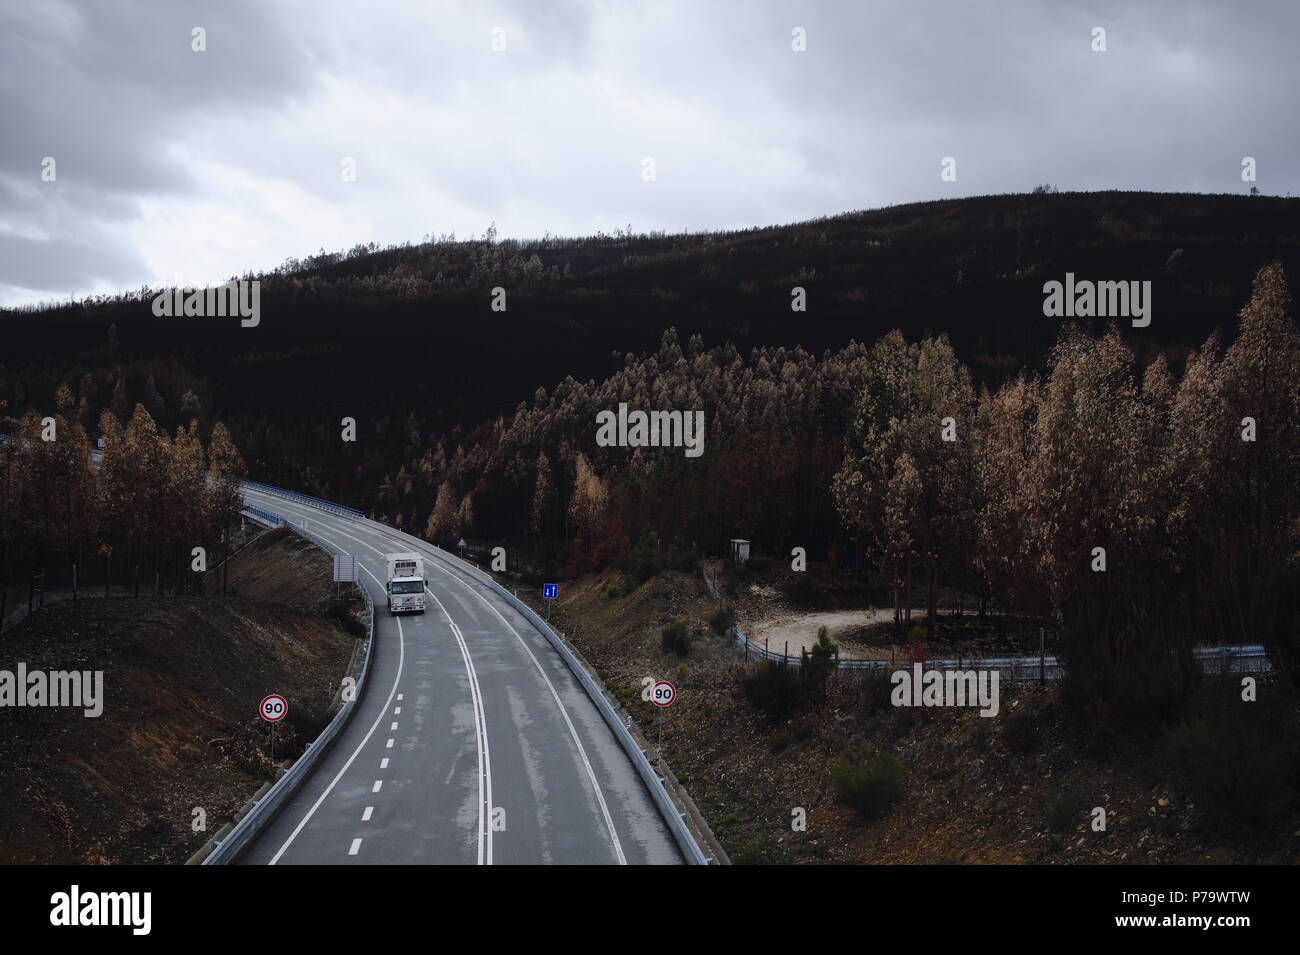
x,y
473,742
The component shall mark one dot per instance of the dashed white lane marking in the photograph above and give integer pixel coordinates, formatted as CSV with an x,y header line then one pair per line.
x,y
375,787
365,816
397,711
480,718
389,744
383,763
397,677
393,727
356,844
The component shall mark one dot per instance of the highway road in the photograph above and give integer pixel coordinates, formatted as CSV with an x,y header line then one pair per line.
x,y
473,743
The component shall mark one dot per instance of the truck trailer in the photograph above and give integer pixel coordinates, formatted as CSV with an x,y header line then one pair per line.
x,y
405,583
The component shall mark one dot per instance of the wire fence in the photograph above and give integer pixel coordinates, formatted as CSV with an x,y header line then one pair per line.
x,y
1215,661
107,577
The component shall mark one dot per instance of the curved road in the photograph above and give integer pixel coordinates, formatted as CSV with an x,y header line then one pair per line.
x,y
473,742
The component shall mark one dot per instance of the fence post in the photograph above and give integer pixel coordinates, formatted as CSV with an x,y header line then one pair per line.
x,y
31,593
137,580
4,599
785,658
74,582
1042,659
155,583
40,604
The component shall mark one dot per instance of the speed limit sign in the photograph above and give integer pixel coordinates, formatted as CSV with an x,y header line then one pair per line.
x,y
663,693
274,708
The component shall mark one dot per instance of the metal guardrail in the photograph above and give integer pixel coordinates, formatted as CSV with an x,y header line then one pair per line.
x,y
227,849
1241,658
265,517
652,780
306,499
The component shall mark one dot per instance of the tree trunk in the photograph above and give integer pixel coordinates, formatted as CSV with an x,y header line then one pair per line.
x,y
907,594
930,605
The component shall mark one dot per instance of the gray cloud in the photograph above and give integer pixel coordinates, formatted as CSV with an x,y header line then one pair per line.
x,y
212,163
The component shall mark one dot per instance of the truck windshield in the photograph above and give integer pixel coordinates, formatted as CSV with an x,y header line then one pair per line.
x,y
408,586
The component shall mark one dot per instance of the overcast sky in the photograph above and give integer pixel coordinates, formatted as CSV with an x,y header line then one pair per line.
x,y
174,166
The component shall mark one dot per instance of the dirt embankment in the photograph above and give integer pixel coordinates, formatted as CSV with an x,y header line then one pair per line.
x,y
179,731
1019,787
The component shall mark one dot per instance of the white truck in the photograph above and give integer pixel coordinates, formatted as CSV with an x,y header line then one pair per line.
x,y
405,583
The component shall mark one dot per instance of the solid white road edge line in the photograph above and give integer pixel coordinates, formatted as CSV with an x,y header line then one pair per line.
x,y
401,658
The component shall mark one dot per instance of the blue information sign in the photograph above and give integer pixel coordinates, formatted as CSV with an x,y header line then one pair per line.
x,y
550,591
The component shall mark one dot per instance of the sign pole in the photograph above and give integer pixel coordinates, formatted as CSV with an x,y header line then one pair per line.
x,y
662,695
273,709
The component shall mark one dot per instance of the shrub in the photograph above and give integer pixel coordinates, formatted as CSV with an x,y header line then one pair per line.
x,y
611,591
803,591
915,649
723,619
876,690
645,561
1065,810
819,662
758,564
680,558
1128,662
774,689
981,736
683,671
749,852
347,614
803,730
1238,768
1279,623
869,782
1020,731
675,638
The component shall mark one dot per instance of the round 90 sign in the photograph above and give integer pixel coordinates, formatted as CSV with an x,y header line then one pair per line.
x,y
274,708
663,693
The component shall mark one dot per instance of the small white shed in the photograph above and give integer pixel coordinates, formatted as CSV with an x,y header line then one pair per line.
x,y
739,550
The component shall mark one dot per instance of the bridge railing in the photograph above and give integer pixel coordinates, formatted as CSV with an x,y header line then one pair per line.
x,y
306,499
